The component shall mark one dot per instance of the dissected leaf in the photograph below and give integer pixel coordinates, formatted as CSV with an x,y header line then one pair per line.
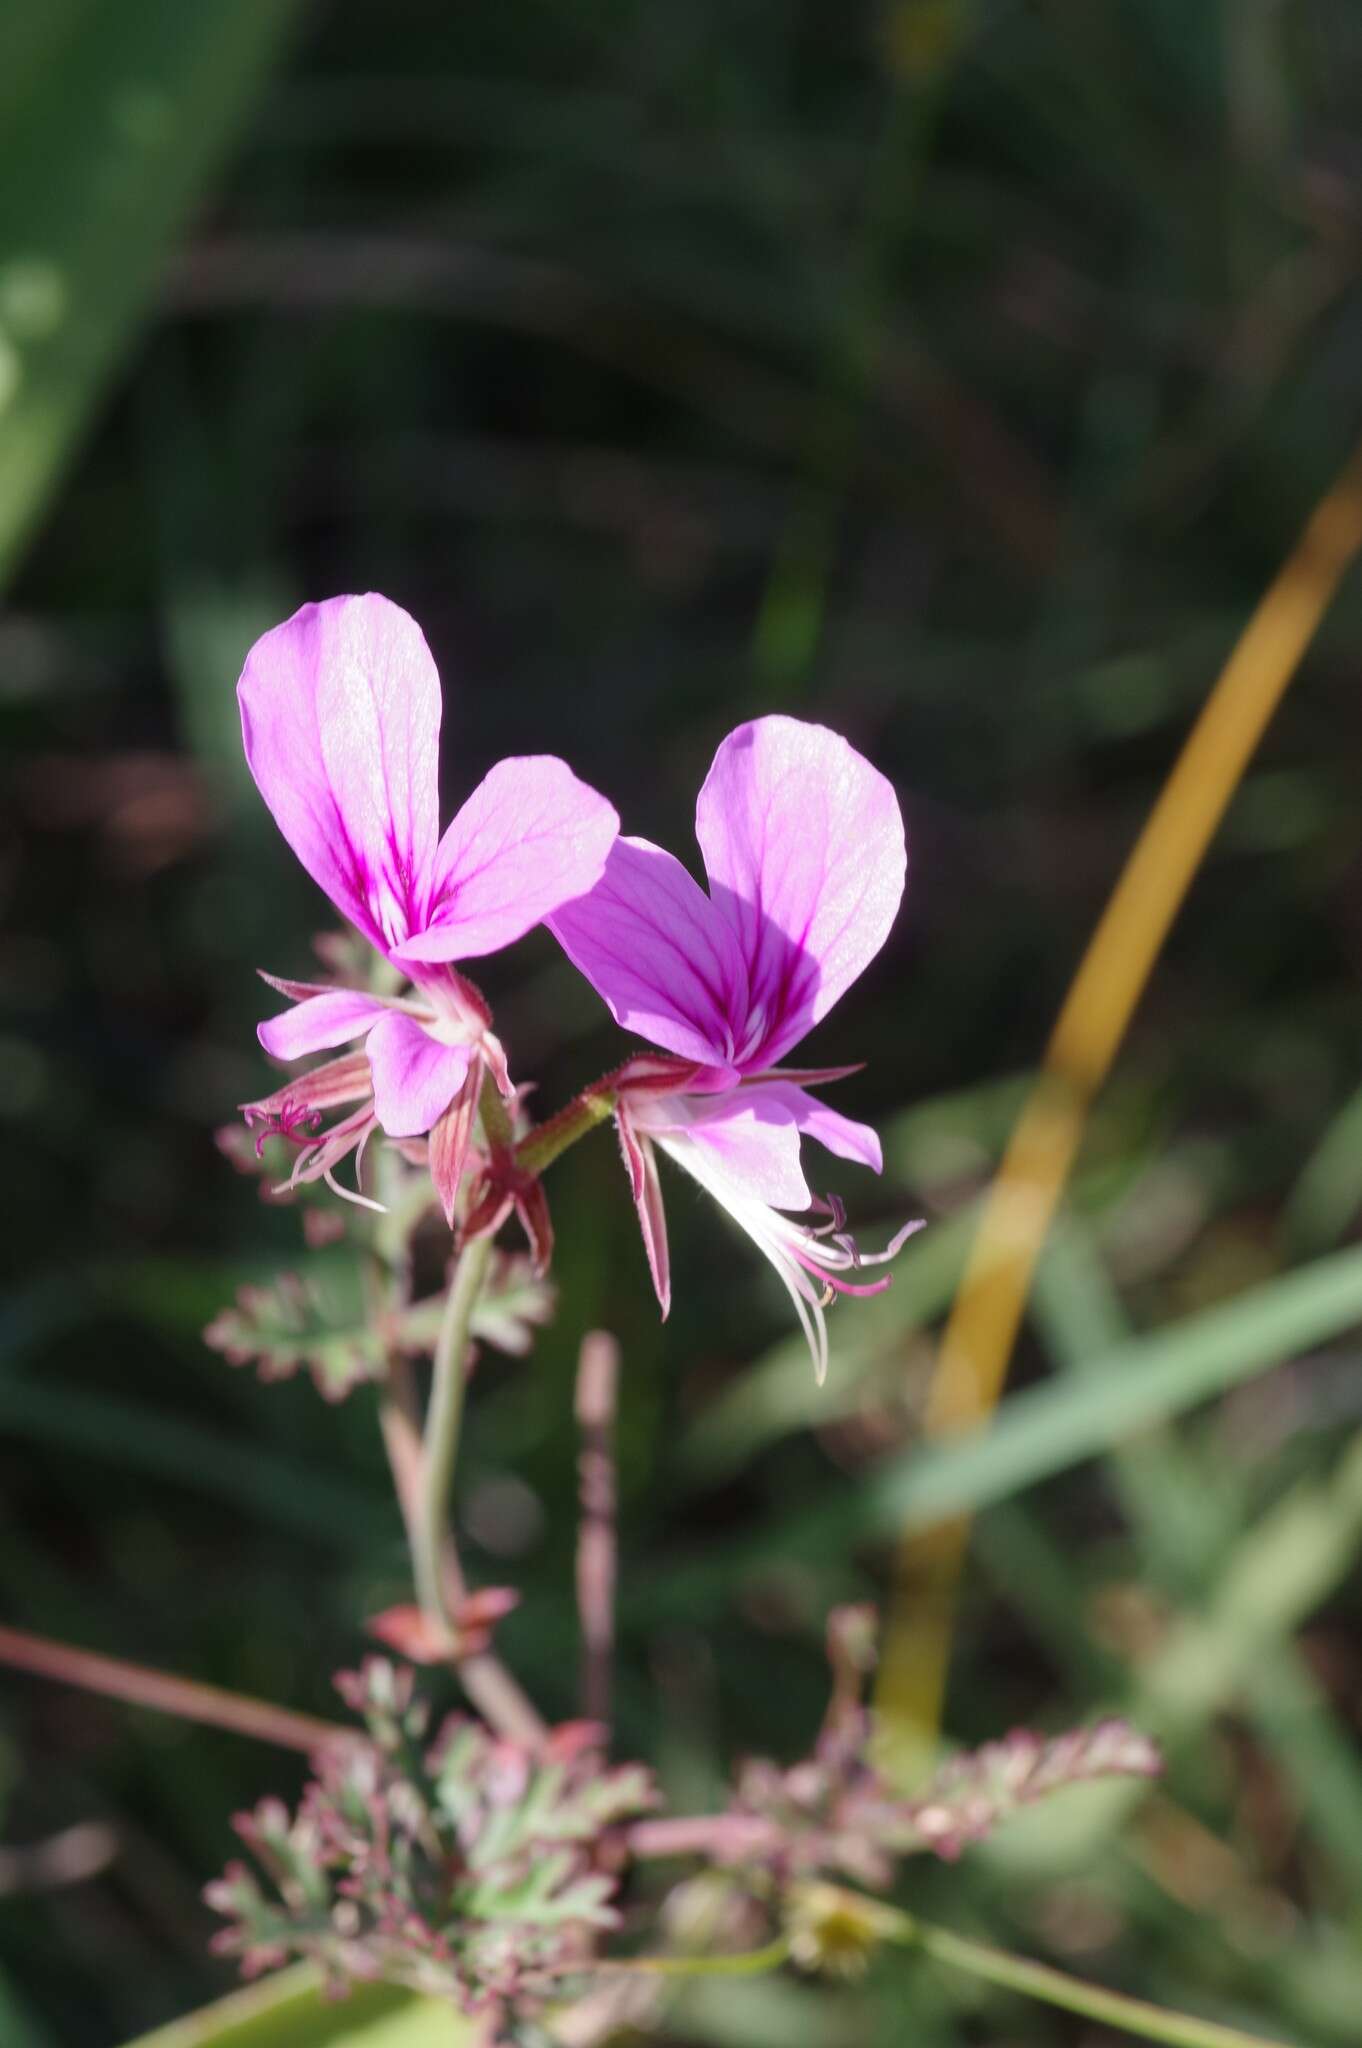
x,y
287,1327
466,1868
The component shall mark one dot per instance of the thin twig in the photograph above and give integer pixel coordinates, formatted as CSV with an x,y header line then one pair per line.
x,y
164,1694
72,1856
598,1366
750,1962
725,1837
444,1418
1037,1980
977,1343
488,1684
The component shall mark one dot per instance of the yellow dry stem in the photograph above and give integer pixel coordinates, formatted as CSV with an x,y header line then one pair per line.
x,y
982,1328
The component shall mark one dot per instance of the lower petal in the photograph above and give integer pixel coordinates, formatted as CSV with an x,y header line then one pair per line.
x,y
320,1021
837,1133
752,1136
415,1077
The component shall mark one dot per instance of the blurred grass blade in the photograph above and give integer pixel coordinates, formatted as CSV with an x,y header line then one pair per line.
x,y
18,2026
1328,1193
125,114
1187,1514
274,1490
1048,1428
289,2011
779,1395
1234,1651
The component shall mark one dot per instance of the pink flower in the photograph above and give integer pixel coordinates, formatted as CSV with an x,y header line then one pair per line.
x,y
803,845
340,715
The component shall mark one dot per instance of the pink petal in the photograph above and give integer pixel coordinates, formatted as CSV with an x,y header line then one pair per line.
x,y
415,1077
838,1133
340,715
530,838
322,1020
803,843
751,1134
648,941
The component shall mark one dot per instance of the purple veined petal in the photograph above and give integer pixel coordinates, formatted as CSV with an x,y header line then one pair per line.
x,y
529,838
837,1133
340,716
803,843
330,1018
641,1164
752,1136
415,1077
649,942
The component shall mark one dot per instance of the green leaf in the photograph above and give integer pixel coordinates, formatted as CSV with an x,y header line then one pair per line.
x,y
289,2011
119,118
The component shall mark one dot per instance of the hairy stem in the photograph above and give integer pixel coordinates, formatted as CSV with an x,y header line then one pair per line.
x,y
443,1419
548,1141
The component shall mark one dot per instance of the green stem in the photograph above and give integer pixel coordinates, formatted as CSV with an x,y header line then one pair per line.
x,y
544,1144
1037,1980
442,1424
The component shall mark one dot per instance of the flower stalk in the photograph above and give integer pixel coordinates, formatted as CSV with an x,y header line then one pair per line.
x,y
838,1906
443,1421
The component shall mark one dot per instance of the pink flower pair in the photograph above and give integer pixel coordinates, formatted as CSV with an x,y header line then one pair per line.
x,y
804,849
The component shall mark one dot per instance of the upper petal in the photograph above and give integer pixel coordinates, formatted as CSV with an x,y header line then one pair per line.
x,y
530,837
648,941
322,1020
340,715
415,1077
803,842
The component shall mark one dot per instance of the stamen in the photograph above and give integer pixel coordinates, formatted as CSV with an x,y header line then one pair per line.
x,y
833,1283
352,1194
290,1121
840,1286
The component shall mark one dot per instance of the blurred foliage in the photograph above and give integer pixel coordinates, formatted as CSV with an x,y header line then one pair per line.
x,y
956,373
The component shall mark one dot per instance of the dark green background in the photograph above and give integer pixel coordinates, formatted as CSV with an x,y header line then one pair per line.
x,y
956,374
